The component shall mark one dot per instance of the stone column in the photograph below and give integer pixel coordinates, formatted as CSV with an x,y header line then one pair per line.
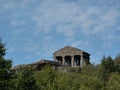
x,y
72,61
55,59
63,60
81,61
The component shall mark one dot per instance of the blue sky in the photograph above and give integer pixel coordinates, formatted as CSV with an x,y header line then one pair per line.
x,y
34,29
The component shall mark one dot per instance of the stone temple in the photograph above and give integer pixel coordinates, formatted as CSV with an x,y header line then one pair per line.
x,y
67,56
71,56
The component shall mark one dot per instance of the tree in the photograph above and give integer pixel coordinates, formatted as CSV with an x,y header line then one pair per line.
x,y
45,79
117,63
65,81
23,79
107,67
90,83
91,70
5,66
114,82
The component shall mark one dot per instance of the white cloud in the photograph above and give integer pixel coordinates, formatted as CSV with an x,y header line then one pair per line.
x,y
18,23
117,28
68,18
79,23
47,44
16,5
71,18
7,6
30,47
18,31
50,14
80,43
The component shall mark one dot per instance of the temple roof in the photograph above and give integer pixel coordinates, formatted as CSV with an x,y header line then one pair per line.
x,y
44,61
40,62
69,50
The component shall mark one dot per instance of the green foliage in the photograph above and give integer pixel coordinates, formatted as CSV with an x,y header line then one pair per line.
x,y
114,82
117,63
45,79
104,76
108,64
90,77
2,49
48,79
5,66
90,83
107,67
64,81
23,79
90,70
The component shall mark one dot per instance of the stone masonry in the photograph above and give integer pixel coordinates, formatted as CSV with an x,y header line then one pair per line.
x,y
71,56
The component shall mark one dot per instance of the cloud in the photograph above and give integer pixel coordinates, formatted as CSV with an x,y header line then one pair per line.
x,y
66,17
44,25
31,47
80,43
71,18
7,6
54,14
16,5
17,32
18,23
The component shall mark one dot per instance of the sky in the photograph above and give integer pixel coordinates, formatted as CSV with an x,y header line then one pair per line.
x,y
35,29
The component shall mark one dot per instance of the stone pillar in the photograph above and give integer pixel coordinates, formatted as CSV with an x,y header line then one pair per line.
x,y
72,61
81,61
55,59
63,60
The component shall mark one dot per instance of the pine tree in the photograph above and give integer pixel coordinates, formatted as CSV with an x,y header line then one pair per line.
x,y
5,66
107,67
23,79
117,63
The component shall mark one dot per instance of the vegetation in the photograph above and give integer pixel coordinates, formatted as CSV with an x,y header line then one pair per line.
x,y
105,76
5,65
